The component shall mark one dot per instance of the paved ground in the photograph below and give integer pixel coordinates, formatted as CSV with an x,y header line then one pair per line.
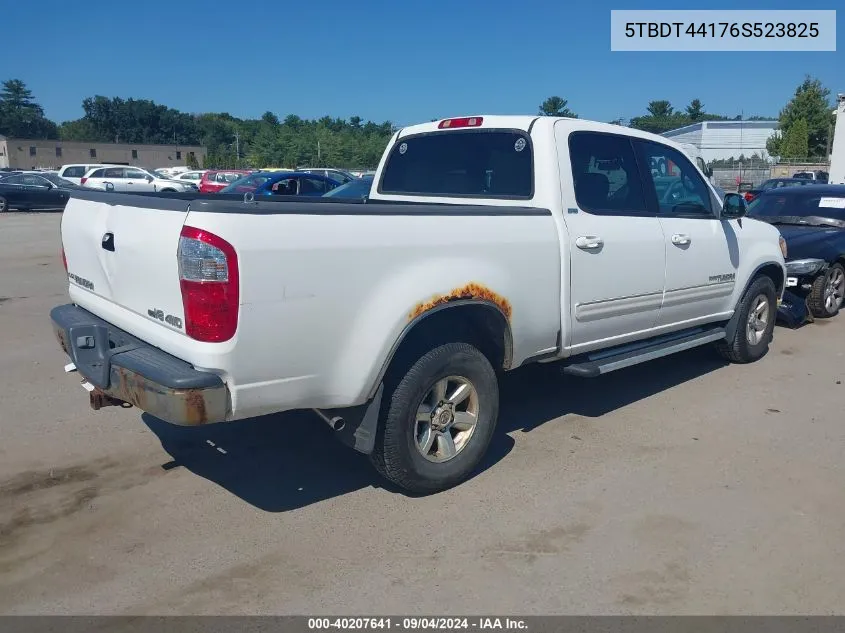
x,y
684,486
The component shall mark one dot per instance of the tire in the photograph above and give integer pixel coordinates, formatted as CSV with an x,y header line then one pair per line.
x,y
4,204
827,293
401,438
743,347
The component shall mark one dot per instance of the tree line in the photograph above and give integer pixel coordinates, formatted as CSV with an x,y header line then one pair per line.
x,y
805,128
805,124
230,141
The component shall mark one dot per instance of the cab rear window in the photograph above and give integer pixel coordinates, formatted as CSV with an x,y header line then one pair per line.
x,y
466,163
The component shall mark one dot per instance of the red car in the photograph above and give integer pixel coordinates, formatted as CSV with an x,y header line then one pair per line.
x,y
214,180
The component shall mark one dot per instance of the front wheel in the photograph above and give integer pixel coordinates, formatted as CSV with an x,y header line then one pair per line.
x,y
4,205
828,292
439,420
757,312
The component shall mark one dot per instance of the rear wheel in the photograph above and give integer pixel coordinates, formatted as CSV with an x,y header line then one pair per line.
x,y
828,292
4,205
439,420
757,311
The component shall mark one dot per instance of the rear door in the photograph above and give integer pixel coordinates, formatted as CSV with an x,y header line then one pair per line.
x,y
116,176
616,246
121,255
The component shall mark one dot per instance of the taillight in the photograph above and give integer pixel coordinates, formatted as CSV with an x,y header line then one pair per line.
x,y
83,180
749,196
471,121
208,276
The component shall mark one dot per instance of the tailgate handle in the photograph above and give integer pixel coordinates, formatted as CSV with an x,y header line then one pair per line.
x,y
108,242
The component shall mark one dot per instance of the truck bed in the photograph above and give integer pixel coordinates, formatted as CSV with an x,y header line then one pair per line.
x,y
327,288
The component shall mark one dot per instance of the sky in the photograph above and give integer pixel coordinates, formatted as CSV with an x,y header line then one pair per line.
x,y
405,61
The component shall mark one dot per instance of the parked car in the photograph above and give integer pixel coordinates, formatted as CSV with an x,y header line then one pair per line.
x,y
812,220
282,184
214,180
474,254
359,188
172,172
774,183
250,182
74,172
131,180
818,176
338,175
30,192
194,176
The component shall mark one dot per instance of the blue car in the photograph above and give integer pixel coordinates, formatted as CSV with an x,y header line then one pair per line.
x,y
354,189
282,183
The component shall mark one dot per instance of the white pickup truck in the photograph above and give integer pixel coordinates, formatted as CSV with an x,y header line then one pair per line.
x,y
487,243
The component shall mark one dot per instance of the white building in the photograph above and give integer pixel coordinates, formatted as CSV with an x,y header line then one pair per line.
x,y
726,139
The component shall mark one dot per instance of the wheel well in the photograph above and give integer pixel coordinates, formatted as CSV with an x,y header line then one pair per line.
x,y
773,272
478,324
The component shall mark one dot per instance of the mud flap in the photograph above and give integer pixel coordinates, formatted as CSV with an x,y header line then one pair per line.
x,y
361,424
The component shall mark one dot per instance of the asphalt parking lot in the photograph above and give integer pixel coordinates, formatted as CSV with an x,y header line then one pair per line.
x,y
685,486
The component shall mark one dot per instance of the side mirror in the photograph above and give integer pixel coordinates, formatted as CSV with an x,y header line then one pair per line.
x,y
734,206
709,172
150,178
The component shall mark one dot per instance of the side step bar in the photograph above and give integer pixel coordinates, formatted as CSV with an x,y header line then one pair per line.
x,y
604,362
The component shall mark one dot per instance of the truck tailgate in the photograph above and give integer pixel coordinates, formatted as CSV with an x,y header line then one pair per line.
x,y
121,252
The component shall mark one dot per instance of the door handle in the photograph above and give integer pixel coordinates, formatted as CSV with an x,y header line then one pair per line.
x,y
589,242
680,239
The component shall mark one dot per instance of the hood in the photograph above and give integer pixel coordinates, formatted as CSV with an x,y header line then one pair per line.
x,y
810,241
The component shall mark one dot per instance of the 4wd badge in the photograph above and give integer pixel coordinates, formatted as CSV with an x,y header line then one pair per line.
x,y
166,318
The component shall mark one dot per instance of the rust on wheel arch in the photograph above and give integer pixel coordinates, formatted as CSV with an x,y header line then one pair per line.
x,y
471,290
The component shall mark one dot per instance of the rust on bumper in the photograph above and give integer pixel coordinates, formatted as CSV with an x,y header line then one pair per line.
x,y
184,407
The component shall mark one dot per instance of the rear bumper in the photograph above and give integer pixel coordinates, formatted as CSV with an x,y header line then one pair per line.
x,y
121,367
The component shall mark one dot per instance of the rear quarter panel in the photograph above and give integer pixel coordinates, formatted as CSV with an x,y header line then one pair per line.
x,y
324,297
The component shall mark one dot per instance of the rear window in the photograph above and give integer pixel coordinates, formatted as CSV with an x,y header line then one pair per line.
x,y
469,163
75,172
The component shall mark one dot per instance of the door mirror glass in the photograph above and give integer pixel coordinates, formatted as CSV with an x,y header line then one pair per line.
x,y
734,206
149,178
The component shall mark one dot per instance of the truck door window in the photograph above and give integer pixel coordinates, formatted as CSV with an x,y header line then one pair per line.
x,y
466,163
680,190
605,173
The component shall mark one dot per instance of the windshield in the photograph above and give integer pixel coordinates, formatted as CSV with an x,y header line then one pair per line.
x,y
247,183
358,188
790,209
